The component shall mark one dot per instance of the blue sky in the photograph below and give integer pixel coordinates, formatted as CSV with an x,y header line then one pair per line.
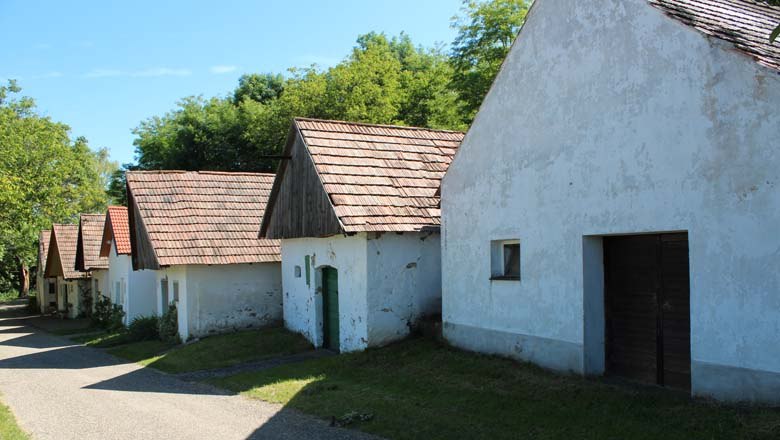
x,y
102,67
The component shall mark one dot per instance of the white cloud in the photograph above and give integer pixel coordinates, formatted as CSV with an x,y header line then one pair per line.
x,y
162,71
151,72
220,69
48,75
102,73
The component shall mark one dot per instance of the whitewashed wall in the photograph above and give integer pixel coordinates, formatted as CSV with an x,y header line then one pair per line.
x,y
136,293
303,301
99,279
385,284
218,299
404,283
73,297
618,119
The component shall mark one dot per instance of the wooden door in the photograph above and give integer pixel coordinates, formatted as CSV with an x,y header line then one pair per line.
x,y
647,308
330,307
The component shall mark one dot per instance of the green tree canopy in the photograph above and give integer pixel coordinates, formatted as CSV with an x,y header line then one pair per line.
x,y
384,80
45,177
486,31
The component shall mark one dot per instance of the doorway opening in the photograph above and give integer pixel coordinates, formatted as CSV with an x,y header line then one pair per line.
x,y
647,328
330,308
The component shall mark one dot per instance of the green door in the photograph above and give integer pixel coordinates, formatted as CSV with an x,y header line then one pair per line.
x,y
330,307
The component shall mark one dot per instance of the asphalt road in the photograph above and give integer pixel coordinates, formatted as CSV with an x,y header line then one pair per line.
x,y
59,390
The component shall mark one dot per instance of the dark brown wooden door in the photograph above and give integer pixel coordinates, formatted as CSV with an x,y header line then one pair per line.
x,y
647,308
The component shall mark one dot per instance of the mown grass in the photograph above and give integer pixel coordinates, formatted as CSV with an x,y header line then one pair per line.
x,y
9,429
421,389
104,339
208,353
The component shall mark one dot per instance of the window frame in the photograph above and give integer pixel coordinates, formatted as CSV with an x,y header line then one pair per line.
x,y
498,260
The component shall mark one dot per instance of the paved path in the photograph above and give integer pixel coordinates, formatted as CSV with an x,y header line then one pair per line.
x,y
62,391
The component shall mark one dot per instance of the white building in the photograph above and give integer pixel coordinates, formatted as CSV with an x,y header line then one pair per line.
x,y
46,287
355,208
131,289
198,231
614,207
72,286
88,257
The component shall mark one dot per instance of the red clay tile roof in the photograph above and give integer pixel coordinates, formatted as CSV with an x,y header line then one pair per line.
x,y
90,238
64,238
116,220
745,23
43,248
379,177
203,217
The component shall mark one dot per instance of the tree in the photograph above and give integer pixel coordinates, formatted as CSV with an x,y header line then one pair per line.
x,y
45,177
486,31
259,87
384,80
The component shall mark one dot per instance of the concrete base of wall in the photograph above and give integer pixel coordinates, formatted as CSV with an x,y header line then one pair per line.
x,y
548,353
724,382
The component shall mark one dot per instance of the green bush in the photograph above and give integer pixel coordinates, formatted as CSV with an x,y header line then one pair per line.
x,y
144,328
108,316
169,326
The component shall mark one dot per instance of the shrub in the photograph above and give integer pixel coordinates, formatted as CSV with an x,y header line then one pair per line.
x,y
102,312
115,319
169,326
107,316
144,328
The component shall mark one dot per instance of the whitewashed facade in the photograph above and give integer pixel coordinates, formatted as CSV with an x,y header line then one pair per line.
x,y
611,118
133,290
386,283
220,299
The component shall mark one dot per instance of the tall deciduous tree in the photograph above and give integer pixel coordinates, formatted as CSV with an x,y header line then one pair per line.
x,y
486,31
45,177
384,80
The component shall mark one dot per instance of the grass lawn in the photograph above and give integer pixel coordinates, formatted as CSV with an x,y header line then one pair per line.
x,y
230,349
421,389
208,353
104,339
9,430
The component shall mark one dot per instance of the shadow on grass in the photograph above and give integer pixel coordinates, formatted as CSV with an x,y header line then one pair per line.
x,y
420,389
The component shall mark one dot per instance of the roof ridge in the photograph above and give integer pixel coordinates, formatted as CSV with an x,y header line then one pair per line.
x,y
230,173
367,124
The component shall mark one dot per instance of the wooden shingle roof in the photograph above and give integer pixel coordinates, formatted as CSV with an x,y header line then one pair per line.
x,y
190,217
89,240
745,23
43,248
61,260
117,231
378,177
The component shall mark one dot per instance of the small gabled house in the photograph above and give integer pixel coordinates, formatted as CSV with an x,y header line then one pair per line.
x,y
356,210
133,290
614,207
72,285
88,257
46,286
198,232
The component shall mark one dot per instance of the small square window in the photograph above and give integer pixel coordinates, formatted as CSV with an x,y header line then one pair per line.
x,y
297,271
505,259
